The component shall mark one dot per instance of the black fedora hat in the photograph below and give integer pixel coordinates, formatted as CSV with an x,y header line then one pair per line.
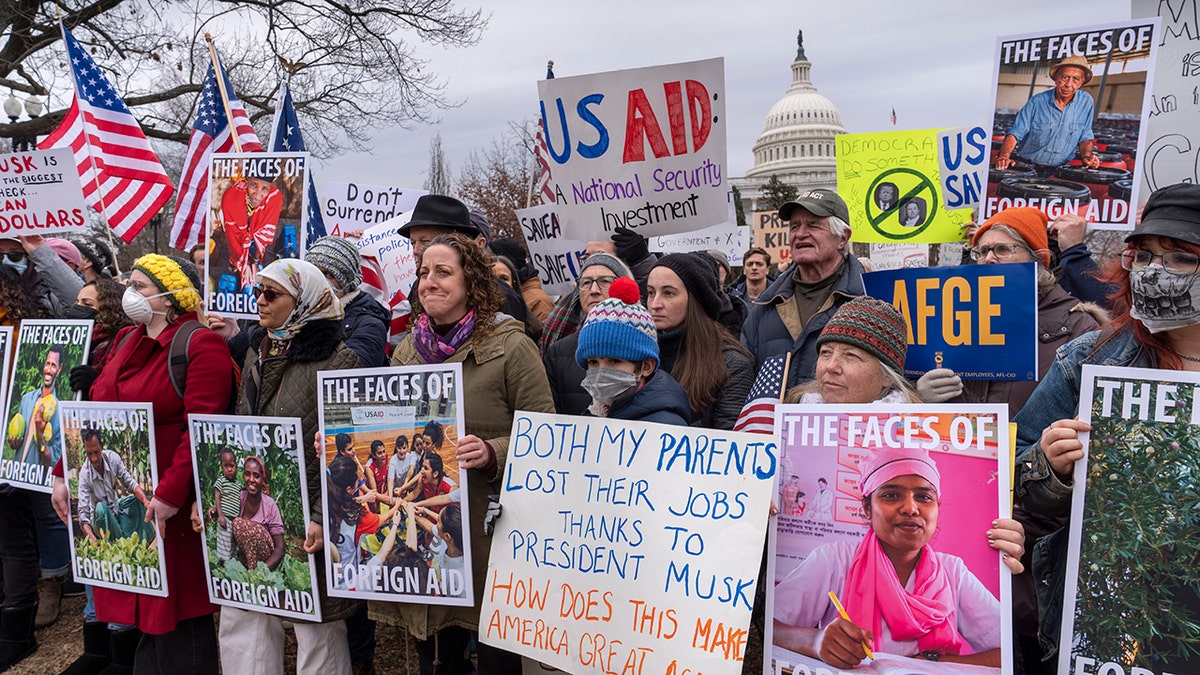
x,y
441,211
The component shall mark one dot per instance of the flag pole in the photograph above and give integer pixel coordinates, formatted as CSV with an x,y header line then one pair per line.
x,y
233,133
112,243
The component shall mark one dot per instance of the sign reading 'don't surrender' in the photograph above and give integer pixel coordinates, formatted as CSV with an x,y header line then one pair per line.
x,y
642,149
644,569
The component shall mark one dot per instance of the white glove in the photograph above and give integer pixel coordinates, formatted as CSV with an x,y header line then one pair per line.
x,y
939,385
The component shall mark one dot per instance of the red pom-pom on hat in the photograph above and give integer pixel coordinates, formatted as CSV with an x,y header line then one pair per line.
x,y
626,290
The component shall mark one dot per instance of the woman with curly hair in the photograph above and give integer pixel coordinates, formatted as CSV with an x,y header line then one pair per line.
x,y
457,320
100,300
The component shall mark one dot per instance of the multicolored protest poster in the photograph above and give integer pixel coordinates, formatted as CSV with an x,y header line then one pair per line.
x,y
642,149
627,545
1171,155
978,320
1131,603
770,233
936,476
962,166
892,187
258,201
252,494
899,256
389,267
397,527
111,471
40,193
350,208
6,354
1068,133
556,258
47,351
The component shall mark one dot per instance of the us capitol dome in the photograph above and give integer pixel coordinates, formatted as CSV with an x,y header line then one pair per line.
x,y
797,142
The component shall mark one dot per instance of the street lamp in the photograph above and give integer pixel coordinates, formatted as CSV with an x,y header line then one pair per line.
x,y
33,108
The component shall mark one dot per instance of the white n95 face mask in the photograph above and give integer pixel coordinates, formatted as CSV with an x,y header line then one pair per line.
x,y
137,306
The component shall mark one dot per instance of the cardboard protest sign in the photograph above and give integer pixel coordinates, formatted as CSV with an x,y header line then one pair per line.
x,y
40,193
962,166
556,258
349,207
727,238
389,266
627,545
1131,604
47,351
899,256
978,320
390,438
1076,144
111,472
1170,153
256,216
6,354
826,539
252,495
642,149
770,233
892,187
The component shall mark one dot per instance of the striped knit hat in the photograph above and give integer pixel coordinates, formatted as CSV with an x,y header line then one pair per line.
x,y
618,327
872,325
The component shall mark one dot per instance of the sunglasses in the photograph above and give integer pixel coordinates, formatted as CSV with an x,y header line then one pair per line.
x,y
15,256
267,295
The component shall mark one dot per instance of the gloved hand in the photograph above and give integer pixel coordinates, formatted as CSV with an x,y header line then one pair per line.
x,y
82,378
632,247
939,385
494,510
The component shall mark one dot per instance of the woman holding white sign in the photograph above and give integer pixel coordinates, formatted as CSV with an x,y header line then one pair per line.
x,y
456,319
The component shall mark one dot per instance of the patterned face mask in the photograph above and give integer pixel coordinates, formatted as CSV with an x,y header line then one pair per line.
x,y
1163,300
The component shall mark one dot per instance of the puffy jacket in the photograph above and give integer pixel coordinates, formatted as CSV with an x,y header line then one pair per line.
x,y
366,329
773,323
286,386
723,412
661,400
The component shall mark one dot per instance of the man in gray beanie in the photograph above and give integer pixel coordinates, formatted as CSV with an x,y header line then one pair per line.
x,y
366,321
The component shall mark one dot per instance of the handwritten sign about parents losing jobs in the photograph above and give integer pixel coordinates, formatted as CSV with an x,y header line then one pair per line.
x,y
1131,602
642,149
40,193
649,566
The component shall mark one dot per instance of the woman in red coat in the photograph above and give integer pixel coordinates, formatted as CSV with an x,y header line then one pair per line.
x,y
179,635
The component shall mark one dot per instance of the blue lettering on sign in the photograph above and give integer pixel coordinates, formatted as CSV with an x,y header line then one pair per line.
x,y
717,456
585,114
965,188
703,585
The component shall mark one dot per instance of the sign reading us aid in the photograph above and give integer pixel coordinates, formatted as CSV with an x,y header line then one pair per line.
x,y
642,149
962,164
978,320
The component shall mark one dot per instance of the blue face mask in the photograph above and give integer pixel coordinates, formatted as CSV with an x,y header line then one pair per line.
x,y
19,266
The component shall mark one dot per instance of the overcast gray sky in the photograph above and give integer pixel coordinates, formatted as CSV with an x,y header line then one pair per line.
x,y
930,59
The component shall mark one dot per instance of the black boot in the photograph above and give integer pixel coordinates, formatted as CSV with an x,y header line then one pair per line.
x,y
123,646
16,634
96,651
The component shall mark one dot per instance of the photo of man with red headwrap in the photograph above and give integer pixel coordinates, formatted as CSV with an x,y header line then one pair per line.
x,y
250,211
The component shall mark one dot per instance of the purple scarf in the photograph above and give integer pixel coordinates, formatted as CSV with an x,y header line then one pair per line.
x,y
434,348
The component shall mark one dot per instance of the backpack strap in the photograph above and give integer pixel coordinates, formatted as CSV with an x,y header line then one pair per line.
x,y
177,363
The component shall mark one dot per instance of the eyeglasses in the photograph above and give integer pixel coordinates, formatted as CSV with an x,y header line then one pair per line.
x,y
1002,251
136,285
1175,262
267,295
15,256
604,283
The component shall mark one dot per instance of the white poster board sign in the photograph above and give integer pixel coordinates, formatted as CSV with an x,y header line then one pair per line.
x,y
348,207
40,193
556,257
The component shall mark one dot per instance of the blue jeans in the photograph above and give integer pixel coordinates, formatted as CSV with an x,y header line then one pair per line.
x,y
54,544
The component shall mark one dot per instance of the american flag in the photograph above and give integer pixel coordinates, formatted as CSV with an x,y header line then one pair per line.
x,y
893,115
542,185
121,176
285,137
758,415
210,134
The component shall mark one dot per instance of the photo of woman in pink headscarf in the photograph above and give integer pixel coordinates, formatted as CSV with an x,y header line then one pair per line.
x,y
902,597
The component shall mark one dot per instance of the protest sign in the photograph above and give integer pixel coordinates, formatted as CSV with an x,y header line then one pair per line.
x,y
1075,145
899,256
256,216
891,184
771,233
1171,154
111,472
389,257
978,320
252,496
47,351
962,166
642,149
825,536
356,206
1131,604
398,426
727,238
648,565
6,353
40,193
555,257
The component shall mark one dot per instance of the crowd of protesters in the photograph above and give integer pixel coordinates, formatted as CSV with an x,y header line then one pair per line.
x,y
674,339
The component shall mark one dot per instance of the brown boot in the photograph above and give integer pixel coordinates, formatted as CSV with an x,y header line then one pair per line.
x,y
49,601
